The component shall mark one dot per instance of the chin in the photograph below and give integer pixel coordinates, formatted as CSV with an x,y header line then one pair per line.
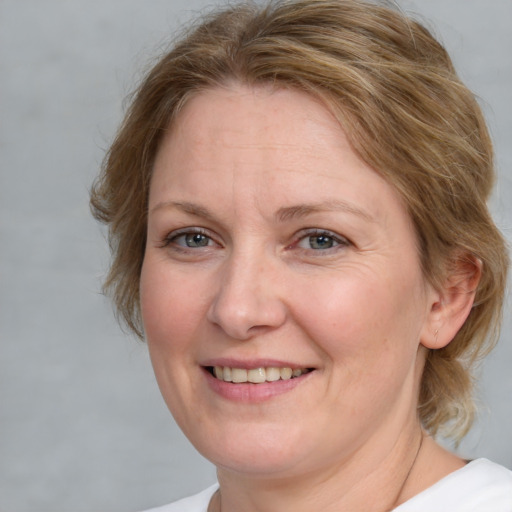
x,y
256,450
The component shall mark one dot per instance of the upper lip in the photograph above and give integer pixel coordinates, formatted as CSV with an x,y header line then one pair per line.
x,y
249,364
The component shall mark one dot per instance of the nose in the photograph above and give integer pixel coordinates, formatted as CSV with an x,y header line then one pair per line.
x,y
247,301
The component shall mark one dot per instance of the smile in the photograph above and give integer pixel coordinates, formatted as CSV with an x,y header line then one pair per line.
x,y
255,375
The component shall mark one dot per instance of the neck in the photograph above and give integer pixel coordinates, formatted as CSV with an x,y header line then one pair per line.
x,y
371,480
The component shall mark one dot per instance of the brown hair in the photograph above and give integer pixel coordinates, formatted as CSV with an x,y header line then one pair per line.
x,y
394,90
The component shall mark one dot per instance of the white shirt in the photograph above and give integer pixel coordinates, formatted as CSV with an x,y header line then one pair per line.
x,y
480,486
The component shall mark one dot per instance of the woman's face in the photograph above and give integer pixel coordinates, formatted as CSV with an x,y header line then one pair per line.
x,y
274,250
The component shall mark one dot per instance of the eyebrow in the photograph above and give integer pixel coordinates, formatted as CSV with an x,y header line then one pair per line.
x,y
284,214
303,210
186,207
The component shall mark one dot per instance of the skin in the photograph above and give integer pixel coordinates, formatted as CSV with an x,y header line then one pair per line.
x,y
260,175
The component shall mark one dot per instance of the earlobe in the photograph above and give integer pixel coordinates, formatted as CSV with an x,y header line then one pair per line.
x,y
452,304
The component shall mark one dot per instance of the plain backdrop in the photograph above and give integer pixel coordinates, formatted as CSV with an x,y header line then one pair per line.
x,y
82,424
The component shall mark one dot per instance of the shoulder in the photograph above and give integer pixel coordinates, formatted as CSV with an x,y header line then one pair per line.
x,y
196,503
480,486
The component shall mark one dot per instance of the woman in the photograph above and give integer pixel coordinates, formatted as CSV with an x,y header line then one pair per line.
x,y
297,211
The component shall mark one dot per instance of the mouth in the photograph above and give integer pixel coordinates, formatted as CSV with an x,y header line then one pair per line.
x,y
255,375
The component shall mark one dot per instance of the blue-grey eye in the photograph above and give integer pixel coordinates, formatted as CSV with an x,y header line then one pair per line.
x,y
321,241
196,240
192,240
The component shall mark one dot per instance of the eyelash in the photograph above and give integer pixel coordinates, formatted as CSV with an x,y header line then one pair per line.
x,y
340,241
171,238
337,240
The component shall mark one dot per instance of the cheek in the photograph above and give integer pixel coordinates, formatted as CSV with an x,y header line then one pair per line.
x,y
365,323
172,316
169,307
368,344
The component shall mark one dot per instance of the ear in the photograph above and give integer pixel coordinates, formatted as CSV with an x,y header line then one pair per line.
x,y
450,306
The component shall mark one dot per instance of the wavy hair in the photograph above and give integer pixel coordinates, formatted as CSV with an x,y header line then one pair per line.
x,y
394,90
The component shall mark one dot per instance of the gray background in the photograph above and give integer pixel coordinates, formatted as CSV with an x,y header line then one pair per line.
x,y
82,424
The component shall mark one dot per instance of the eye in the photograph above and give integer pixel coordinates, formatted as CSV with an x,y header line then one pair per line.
x,y
190,239
193,240
321,240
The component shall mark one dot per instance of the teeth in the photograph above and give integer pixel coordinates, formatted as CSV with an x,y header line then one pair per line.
x,y
286,373
273,374
226,374
256,375
239,375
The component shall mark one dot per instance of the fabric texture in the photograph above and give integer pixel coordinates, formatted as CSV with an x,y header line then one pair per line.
x,y
480,486
197,503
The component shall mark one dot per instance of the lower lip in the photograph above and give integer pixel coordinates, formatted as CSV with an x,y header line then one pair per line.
x,y
253,393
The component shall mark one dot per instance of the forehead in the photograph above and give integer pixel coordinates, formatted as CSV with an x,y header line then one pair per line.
x,y
259,121
262,140
239,113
